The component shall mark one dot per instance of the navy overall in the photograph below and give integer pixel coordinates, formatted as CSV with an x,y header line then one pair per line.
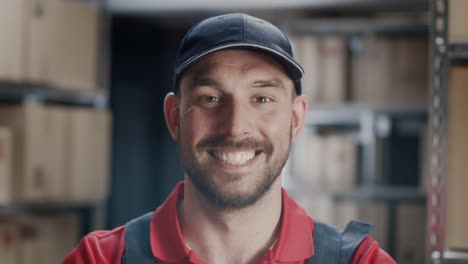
x,y
331,245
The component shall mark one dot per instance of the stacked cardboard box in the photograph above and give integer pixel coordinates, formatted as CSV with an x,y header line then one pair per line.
x,y
13,39
312,169
324,63
331,161
58,153
8,241
49,42
46,239
341,161
31,148
411,234
5,165
88,159
457,165
390,70
458,31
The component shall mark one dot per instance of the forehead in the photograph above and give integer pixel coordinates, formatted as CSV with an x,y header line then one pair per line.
x,y
245,61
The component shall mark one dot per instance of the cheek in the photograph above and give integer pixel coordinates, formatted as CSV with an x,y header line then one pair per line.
x,y
276,124
193,127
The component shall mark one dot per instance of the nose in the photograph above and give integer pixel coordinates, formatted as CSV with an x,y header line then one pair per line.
x,y
237,120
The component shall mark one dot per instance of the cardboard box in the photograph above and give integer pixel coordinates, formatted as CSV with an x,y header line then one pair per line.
x,y
47,239
88,162
457,20
306,52
411,234
370,66
59,153
332,70
31,243
62,235
330,161
6,176
13,36
313,167
39,46
52,42
457,165
340,161
8,241
390,70
324,63
409,81
29,126
74,43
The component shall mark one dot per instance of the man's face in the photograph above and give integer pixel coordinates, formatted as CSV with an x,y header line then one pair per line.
x,y
235,118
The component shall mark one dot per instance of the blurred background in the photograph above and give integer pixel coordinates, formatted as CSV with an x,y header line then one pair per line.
x,y
84,145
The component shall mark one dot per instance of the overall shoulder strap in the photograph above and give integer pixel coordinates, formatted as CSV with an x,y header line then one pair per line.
x,y
327,240
351,238
137,241
331,246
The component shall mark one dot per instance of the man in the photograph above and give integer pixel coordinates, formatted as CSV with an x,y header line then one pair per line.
x,y
236,110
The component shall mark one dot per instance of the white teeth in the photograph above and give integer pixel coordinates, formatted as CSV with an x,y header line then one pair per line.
x,y
235,157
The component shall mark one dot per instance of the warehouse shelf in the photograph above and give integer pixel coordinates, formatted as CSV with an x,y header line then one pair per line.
x,y
370,123
165,7
354,115
458,52
92,213
357,26
368,194
445,54
44,207
454,257
27,93
383,194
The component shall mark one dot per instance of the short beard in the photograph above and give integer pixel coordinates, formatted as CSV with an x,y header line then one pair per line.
x,y
200,176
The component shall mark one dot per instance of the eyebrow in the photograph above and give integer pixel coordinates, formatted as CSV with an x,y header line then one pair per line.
x,y
203,81
273,82
258,83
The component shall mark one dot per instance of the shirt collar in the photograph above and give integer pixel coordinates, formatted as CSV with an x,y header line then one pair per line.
x,y
167,242
294,241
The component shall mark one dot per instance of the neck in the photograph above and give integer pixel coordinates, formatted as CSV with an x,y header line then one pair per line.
x,y
230,236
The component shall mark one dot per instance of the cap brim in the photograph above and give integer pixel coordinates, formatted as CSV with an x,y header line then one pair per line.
x,y
292,67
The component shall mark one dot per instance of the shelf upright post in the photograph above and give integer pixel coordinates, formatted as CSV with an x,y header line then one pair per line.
x,y
438,132
102,98
368,138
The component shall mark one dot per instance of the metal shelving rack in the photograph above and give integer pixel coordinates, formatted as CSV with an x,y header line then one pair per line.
x,y
444,54
92,213
27,93
168,7
370,122
47,94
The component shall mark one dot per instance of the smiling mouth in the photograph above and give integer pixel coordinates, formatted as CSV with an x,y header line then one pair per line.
x,y
235,157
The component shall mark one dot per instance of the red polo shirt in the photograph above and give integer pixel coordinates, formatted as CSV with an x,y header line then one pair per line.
x,y
294,245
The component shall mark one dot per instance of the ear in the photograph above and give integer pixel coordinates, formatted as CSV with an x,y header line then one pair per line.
x,y
171,113
299,114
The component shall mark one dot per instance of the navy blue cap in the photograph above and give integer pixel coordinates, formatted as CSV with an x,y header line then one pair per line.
x,y
237,31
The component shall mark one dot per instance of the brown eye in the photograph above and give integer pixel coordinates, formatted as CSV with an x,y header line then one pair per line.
x,y
262,99
211,99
